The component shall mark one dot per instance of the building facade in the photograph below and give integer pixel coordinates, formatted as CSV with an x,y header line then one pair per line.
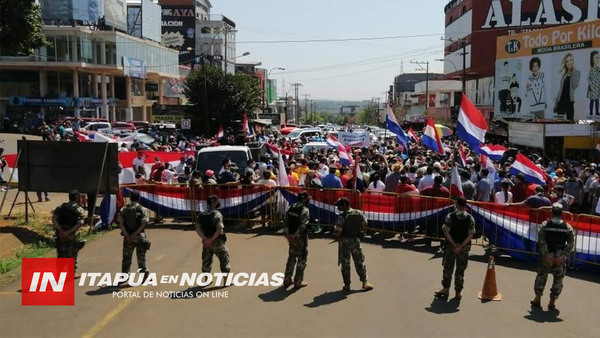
x,y
87,72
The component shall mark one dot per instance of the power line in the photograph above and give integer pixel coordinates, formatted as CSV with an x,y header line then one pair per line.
x,y
342,39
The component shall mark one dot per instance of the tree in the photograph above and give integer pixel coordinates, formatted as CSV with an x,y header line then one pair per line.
x,y
21,27
225,99
367,116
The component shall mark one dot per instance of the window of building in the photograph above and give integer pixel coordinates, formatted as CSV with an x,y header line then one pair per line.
x,y
136,87
205,30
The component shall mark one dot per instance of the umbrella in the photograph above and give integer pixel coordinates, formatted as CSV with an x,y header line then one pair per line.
x,y
443,130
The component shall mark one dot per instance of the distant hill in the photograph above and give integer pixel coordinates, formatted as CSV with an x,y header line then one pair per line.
x,y
333,107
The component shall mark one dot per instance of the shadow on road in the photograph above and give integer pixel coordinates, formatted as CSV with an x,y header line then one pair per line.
x,y
540,316
276,295
328,298
107,290
443,306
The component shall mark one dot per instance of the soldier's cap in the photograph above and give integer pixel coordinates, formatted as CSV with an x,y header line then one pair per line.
x,y
342,201
211,199
73,194
303,195
557,207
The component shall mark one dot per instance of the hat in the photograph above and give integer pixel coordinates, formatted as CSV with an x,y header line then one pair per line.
x,y
556,207
333,166
303,195
342,201
74,194
559,171
211,199
209,173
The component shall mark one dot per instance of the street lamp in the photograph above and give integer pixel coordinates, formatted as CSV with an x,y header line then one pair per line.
x,y
239,56
267,84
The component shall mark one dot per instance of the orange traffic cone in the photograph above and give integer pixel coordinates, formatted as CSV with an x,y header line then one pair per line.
x,y
490,290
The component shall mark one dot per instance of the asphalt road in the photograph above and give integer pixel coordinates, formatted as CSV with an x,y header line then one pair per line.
x,y
405,276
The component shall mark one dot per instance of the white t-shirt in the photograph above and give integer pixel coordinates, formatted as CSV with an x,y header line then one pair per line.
x,y
138,162
500,197
268,182
380,186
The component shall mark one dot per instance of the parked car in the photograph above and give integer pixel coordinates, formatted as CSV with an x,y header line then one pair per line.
x,y
123,126
314,145
212,158
140,124
297,134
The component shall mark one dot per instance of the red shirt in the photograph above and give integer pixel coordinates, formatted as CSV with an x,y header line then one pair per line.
x,y
521,191
344,178
404,188
436,191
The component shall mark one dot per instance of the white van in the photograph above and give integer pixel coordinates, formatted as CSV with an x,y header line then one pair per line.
x,y
212,158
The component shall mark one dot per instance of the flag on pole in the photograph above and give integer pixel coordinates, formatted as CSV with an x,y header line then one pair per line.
x,y
412,134
471,126
345,158
431,137
493,151
357,172
462,157
530,171
283,178
487,163
456,184
392,125
333,142
220,133
246,125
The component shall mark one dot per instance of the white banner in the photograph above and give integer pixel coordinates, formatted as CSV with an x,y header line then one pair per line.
x,y
361,140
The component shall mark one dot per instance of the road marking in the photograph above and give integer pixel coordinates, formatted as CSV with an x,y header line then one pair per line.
x,y
109,316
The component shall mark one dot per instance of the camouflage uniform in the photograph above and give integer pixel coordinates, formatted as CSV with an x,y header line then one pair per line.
x,y
460,225
68,215
296,223
555,238
352,223
132,216
209,222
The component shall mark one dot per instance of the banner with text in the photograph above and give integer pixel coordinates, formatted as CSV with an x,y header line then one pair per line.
x,y
551,73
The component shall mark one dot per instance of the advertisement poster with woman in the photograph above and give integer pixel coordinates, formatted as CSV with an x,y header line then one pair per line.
x,y
550,74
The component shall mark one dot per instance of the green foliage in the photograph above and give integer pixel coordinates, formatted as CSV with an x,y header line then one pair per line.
x,y
367,116
21,27
225,99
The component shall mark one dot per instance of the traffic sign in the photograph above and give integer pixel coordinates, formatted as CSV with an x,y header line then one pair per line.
x,y
186,124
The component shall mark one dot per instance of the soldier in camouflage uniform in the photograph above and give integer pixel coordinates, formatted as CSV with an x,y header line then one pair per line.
x,y
132,221
349,229
67,219
295,230
212,231
458,231
555,242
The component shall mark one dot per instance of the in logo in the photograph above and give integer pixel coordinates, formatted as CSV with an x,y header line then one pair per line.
x,y
48,281
512,46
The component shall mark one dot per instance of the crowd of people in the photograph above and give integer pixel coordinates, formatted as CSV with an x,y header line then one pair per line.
x,y
384,167
387,167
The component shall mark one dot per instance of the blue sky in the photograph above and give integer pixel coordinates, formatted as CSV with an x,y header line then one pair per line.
x,y
349,70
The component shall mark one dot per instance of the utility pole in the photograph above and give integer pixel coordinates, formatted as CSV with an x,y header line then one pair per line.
x,y
421,63
463,45
306,104
296,103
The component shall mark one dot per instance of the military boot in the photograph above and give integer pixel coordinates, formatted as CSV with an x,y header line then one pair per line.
x,y
552,304
537,301
367,286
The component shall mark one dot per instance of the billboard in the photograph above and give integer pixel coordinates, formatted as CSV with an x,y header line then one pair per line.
x,y
151,20
488,19
83,11
549,74
116,13
179,31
